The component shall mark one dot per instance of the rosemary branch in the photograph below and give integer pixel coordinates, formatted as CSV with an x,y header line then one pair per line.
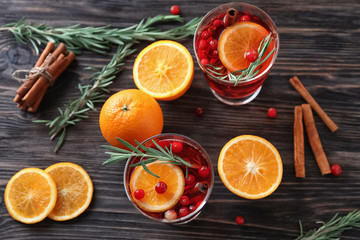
x,y
150,155
94,93
98,39
253,69
333,228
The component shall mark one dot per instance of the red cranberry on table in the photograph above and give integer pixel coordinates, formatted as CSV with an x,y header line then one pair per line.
x,y
336,170
272,112
161,187
199,111
240,220
175,10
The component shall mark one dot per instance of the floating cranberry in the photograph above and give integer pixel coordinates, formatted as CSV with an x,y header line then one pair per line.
x,y
203,171
215,54
271,112
205,35
203,44
213,44
199,111
177,147
218,23
175,10
240,220
170,214
192,208
189,180
245,18
184,211
251,55
161,187
139,194
336,170
204,61
184,200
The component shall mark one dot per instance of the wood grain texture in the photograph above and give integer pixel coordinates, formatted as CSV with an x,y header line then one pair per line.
x,y
319,43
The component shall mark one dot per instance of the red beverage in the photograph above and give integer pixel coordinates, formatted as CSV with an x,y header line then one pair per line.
x,y
197,186
214,44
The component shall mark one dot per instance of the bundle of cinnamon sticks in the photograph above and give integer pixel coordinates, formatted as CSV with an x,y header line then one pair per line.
x,y
304,112
47,69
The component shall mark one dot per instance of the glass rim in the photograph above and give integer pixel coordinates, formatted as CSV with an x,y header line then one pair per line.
x,y
274,33
197,211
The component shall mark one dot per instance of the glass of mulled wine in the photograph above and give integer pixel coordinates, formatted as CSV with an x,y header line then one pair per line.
x,y
236,45
179,192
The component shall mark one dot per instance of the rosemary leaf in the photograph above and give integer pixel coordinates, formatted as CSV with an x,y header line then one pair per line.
x,y
333,228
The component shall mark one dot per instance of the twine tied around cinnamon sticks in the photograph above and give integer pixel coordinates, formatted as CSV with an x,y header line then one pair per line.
x,y
46,70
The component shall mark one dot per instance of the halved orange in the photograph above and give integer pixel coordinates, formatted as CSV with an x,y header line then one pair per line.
x,y
30,195
236,40
250,167
164,70
74,190
157,202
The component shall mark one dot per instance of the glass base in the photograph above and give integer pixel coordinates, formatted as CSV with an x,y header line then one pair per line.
x,y
236,101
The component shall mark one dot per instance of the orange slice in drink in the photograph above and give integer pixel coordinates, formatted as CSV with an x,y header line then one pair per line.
x,y
74,190
30,195
164,70
152,201
250,167
236,40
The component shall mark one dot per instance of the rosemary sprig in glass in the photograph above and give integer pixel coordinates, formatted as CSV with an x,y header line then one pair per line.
x,y
247,73
98,39
147,156
93,93
333,228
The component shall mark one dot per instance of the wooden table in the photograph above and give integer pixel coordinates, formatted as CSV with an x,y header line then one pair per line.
x,y
319,43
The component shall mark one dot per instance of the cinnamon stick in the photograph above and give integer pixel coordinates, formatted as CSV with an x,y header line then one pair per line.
x,y
25,87
295,81
314,140
230,17
60,65
299,151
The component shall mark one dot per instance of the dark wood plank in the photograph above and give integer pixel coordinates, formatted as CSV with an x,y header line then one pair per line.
x,y
319,42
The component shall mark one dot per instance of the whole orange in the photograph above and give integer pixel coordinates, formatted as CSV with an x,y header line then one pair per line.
x,y
130,115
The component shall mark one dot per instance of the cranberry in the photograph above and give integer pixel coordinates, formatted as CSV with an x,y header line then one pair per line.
x,y
204,61
160,187
177,147
218,23
240,220
205,35
203,171
271,112
336,169
203,44
245,18
175,10
170,214
184,211
192,208
139,194
251,55
189,180
213,44
184,200
215,54
198,204
199,111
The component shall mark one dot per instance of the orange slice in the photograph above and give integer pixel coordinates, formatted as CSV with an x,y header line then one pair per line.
x,y
250,167
164,70
236,40
30,195
74,190
155,202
